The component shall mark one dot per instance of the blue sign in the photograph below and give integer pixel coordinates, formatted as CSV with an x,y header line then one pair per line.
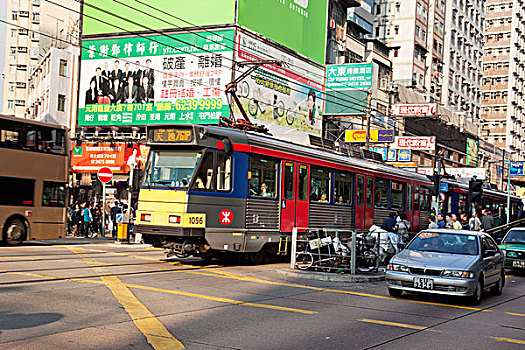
x,y
443,187
391,157
382,151
516,169
385,135
120,218
404,155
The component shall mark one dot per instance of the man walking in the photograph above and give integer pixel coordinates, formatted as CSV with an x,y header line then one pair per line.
x,y
88,218
456,225
487,220
440,221
115,209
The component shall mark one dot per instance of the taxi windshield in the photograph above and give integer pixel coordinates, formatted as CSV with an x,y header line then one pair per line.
x,y
515,237
450,243
171,168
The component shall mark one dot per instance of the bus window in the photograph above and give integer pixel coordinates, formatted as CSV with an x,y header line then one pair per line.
x,y
381,193
288,180
14,191
409,200
224,171
263,174
51,141
370,192
54,194
360,190
303,182
416,198
397,195
343,188
320,185
10,137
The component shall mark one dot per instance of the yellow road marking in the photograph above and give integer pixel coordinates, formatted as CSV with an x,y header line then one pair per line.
x,y
509,340
394,324
156,334
20,258
515,314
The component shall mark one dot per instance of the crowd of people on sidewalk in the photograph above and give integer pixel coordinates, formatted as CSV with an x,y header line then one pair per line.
x,y
85,219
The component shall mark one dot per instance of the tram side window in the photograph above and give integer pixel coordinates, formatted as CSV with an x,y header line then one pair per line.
x,y
224,172
343,188
397,195
409,200
381,193
416,199
204,176
289,176
263,174
425,199
15,191
54,194
303,182
462,203
320,185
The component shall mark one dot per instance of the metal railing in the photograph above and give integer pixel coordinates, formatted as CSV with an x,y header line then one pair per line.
x,y
500,231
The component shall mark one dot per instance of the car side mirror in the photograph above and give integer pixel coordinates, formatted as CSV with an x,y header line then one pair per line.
x,y
401,246
489,252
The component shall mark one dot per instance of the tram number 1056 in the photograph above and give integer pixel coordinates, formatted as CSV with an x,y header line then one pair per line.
x,y
196,220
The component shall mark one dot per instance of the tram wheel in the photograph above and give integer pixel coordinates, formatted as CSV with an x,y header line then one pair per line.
x,y
256,258
15,232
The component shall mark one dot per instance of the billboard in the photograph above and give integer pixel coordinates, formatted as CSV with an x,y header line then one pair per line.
x,y
178,79
281,98
90,157
421,109
516,169
99,18
472,152
349,76
382,135
427,143
297,24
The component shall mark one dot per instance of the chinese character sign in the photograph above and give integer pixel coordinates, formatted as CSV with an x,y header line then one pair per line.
x,y
381,135
414,109
349,76
89,157
416,143
516,169
175,79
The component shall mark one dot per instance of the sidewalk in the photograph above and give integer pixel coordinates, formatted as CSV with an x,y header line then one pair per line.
x,y
333,277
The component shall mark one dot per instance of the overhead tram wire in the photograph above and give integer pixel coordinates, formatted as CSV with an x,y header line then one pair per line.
x,y
358,103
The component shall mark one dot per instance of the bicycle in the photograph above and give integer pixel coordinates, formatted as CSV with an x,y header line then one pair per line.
x,y
257,102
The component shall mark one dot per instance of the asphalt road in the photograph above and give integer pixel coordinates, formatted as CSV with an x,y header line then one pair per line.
x,y
80,294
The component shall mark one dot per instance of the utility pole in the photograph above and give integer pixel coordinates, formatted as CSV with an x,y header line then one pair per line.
x,y
368,117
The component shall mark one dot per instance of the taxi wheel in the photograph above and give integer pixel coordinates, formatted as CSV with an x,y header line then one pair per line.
x,y
15,232
395,292
475,299
497,289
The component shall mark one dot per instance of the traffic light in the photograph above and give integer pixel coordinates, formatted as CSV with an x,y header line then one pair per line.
x,y
475,190
435,184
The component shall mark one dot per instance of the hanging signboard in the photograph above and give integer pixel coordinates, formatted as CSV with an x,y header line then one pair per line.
x,y
472,152
380,135
282,98
516,169
407,110
172,79
349,76
90,157
403,164
426,143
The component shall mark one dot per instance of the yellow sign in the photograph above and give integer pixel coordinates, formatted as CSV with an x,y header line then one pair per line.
x,y
194,220
376,135
403,164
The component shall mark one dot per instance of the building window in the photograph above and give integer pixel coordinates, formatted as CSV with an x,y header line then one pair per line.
x,y
61,103
63,68
10,104
14,15
13,33
11,87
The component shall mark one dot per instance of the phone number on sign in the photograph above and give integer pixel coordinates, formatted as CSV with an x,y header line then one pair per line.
x,y
195,104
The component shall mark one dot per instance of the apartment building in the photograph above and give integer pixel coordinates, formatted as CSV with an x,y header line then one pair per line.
x,y
503,113
35,26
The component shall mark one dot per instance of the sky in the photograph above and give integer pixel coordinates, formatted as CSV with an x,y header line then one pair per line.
x,y
3,15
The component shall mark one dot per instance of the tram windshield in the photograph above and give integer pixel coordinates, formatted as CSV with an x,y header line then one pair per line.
x,y
171,168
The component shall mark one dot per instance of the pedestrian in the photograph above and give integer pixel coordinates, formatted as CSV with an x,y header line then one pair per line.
x,y
97,220
449,222
389,223
440,221
487,220
474,223
432,223
402,227
78,217
88,218
456,225
115,209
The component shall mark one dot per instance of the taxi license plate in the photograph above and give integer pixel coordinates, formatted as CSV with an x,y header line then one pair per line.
x,y
423,283
518,264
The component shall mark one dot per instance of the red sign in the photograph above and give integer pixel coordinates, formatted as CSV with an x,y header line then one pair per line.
x,y
226,217
90,157
105,175
417,143
414,109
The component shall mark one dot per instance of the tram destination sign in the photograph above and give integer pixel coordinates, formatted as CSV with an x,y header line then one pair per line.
x,y
171,135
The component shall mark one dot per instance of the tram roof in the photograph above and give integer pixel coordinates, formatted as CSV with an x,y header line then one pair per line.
x,y
495,193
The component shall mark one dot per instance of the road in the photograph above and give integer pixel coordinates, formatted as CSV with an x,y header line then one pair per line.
x,y
81,294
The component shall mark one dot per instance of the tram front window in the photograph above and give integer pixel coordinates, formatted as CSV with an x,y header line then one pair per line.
x,y
172,168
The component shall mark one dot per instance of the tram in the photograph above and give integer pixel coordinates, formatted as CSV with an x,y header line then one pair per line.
x,y
455,200
211,189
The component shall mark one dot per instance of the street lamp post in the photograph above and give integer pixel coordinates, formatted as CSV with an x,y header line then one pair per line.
x,y
508,191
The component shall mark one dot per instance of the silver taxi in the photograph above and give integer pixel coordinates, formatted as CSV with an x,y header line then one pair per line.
x,y
451,262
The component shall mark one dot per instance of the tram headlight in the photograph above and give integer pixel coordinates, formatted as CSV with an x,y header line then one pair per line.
x,y
174,219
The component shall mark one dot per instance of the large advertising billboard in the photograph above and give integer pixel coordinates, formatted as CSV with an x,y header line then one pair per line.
x,y
140,16
297,24
90,157
284,99
175,79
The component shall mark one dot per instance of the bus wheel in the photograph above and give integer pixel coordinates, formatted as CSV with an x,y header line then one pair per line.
x,y
15,232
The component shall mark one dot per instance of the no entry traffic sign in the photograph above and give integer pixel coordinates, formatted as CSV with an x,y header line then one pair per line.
x,y
105,175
